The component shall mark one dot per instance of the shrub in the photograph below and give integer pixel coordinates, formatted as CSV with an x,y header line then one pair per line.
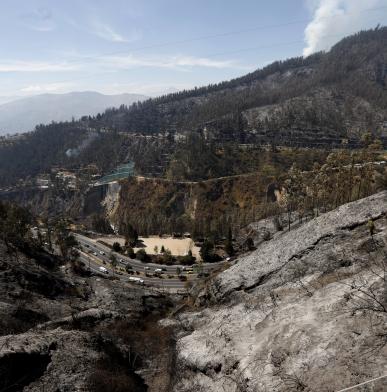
x,y
167,257
142,255
187,260
117,247
130,252
249,243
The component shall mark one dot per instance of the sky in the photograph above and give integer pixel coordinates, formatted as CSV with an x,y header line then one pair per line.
x,y
153,47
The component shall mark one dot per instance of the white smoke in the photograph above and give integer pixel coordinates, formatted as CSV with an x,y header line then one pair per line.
x,y
335,19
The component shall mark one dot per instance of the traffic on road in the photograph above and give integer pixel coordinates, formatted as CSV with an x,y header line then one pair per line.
x,y
96,257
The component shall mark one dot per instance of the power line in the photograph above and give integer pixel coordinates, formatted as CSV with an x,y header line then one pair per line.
x,y
255,48
363,383
225,34
200,38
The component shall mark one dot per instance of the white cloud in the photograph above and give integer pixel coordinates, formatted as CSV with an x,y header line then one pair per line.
x,y
106,32
34,66
173,62
150,89
49,87
335,19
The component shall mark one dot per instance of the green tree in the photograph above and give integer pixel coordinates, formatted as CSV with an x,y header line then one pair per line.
x,y
113,262
130,252
142,255
14,226
130,234
117,247
64,239
167,257
207,251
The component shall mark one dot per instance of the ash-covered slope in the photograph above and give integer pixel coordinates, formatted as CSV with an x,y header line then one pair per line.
x,y
306,311
63,332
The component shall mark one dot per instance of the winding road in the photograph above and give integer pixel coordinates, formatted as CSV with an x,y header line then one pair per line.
x,y
94,255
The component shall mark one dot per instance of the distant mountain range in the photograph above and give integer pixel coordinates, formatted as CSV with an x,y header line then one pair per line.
x,y
23,114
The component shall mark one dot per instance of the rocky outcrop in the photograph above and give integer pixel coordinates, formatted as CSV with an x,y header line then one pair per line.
x,y
34,361
272,257
306,311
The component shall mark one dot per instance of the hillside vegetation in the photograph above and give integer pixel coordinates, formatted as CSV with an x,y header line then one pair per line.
x,y
291,91
310,102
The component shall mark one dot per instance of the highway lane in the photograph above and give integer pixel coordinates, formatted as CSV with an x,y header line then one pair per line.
x,y
94,265
94,262
136,264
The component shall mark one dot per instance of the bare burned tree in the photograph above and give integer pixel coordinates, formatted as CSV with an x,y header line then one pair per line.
x,y
299,271
367,295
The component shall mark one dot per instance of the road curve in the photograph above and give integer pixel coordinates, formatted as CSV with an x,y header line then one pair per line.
x,y
102,259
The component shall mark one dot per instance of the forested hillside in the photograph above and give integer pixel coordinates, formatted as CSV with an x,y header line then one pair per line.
x,y
333,77
319,101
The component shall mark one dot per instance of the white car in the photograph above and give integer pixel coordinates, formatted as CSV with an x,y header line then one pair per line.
x,y
101,253
136,280
158,271
104,270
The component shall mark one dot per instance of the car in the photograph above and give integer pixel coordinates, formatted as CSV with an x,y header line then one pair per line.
x,y
101,252
133,279
104,270
187,269
189,272
121,260
146,268
95,253
158,271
